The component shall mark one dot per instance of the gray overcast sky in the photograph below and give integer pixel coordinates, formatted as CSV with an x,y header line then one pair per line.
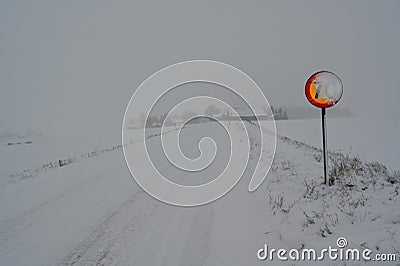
x,y
71,66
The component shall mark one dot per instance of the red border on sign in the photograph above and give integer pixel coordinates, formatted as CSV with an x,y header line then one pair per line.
x,y
311,99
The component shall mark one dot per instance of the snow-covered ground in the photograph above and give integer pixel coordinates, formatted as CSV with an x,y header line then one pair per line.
x,y
17,154
91,212
375,139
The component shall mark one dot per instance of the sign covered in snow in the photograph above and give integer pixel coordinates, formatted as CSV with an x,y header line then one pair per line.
x,y
324,89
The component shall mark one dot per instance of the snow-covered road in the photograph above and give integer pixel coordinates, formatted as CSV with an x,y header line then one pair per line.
x,y
91,212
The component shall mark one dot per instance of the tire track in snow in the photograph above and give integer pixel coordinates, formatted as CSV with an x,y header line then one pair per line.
x,y
79,252
12,230
138,224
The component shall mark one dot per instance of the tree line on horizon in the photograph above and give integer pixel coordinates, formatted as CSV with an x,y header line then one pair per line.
x,y
278,113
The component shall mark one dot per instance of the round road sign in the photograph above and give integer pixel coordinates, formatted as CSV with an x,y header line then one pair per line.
x,y
324,89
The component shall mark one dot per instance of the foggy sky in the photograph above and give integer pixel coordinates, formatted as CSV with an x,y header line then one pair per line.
x,y
71,66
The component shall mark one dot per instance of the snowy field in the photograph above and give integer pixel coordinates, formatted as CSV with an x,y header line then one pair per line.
x,y
89,210
370,138
20,153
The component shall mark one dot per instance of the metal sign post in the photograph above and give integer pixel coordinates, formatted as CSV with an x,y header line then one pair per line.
x,y
324,144
323,90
